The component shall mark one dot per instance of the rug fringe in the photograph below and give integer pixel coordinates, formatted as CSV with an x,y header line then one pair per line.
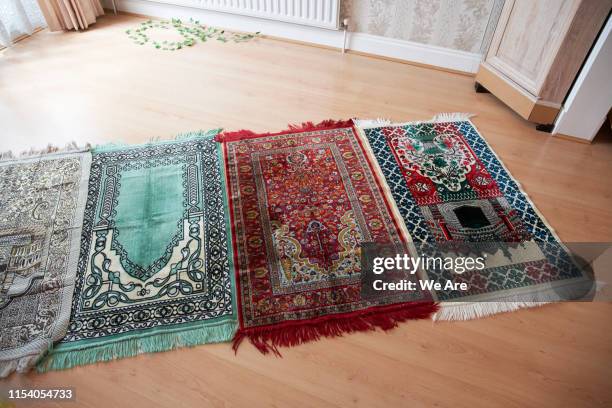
x,y
292,128
60,359
6,156
438,118
269,338
476,310
452,117
193,135
197,134
582,289
20,365
378,122
71,147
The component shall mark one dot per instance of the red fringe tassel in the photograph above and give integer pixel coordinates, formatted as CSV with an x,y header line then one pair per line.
x,y
292,128
268,338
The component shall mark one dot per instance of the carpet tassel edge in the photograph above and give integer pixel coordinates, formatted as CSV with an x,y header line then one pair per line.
x,y
585,290
64,359
469,311
71,147
438,118
186,136
291,128
268,339
20,365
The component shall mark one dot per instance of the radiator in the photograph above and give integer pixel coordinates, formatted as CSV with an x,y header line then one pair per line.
x,y
316,13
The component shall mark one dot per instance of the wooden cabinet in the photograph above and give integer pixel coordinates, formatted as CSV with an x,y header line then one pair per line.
x,y
536,52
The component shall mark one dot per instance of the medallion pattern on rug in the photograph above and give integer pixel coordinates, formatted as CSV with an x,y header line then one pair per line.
x,y
41,209
302,205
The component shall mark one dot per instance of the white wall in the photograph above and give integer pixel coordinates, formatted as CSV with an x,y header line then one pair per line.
x,y
590,98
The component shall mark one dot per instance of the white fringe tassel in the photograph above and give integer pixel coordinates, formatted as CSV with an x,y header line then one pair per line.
x,y
378,122
440,117
20,365
6,156
50,149
475,310
452,117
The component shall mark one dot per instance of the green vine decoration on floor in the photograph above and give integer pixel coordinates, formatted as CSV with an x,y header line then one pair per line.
x,y
191,33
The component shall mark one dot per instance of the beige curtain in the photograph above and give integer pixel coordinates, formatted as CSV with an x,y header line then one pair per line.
x,y
70,14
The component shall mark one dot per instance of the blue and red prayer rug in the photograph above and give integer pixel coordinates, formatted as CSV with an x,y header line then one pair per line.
x,y
302,202
455,196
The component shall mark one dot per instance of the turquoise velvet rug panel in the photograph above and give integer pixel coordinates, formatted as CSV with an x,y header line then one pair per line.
x,y
149,217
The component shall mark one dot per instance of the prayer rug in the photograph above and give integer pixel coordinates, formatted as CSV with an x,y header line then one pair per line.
x,y
453,191
155,270
302,203
41,212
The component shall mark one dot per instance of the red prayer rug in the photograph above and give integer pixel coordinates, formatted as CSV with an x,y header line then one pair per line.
x,y
302,202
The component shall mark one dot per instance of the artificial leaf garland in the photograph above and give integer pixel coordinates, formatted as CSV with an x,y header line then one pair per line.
x,y
191,33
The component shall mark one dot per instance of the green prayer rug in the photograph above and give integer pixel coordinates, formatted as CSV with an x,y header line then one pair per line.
x,y
155,269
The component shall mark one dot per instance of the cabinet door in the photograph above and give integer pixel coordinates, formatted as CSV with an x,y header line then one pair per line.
x,y
528,37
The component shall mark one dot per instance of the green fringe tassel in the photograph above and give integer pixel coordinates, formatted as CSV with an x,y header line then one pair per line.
x,y
182,137
198,134
61,359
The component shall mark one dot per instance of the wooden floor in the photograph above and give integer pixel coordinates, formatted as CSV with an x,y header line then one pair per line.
x,y
97,86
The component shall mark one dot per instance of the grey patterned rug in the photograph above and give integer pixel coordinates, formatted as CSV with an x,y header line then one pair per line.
x,y
41,214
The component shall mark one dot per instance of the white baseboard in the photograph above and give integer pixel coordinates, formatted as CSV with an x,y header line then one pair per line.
x,y
415,52
371,44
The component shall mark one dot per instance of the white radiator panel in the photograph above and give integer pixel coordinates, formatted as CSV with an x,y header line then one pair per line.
x,y
316,13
